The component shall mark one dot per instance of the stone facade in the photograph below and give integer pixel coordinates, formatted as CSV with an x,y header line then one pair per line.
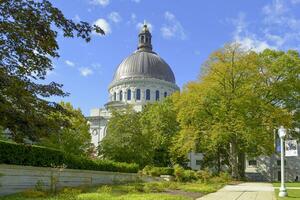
x,y
155,86
267,168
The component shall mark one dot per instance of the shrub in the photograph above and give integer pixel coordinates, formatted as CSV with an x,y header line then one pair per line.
x,y
20,154
70,191
225,176
179,173
204,175
157,171
153,187
33,193
104,189
190,175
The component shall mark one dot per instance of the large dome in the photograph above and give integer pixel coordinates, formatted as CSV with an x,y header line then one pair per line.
x,y
144,64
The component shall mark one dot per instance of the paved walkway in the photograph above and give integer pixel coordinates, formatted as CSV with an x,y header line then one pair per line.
x,y
244,191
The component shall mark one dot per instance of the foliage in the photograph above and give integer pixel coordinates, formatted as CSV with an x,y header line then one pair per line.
x,y
228,113
18,154
141,137
33,193
204,175
183,175
125,142
74,139
28,33
159,121
104,189
157,171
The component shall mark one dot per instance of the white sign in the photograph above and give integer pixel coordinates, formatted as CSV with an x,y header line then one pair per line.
x,y
291,148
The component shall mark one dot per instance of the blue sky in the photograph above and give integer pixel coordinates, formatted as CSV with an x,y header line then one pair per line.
x,y
184,33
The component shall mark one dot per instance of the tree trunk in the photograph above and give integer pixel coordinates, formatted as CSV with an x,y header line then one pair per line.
x,y
219,161
233,159
241,161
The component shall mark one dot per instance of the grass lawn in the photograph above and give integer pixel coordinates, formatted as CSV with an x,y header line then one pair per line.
x,y
294,184
133,191
293,194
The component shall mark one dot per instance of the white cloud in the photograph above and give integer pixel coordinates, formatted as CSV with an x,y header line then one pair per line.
x,y
70,63
115,17
140,25
252,43
85,71
277,7
104,25
279,28
100,2
77,18
50,72
172,28
246,39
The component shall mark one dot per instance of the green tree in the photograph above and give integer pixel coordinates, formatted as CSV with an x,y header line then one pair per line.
x,y
225,111
28,33
159,122
280,75
125,141
74,139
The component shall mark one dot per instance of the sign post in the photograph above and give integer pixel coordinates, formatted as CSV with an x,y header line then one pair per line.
x,y
281,134
291,148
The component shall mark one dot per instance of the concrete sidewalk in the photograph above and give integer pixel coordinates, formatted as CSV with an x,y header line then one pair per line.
x,y
244,191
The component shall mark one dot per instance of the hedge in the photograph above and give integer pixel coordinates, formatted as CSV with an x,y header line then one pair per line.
x,y
31,155
157,171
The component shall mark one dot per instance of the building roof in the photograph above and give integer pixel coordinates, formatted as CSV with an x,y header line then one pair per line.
x,y
144,63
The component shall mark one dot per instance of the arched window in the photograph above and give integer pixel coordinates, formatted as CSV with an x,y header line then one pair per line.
x,y
165,94
138,94
157,95
147,94
142,39
121,95
128,94
115,96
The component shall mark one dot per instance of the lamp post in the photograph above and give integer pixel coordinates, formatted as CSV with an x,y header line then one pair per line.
x,y
281,134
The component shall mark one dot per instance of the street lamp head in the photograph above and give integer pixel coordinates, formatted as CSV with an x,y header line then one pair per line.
x,y
281,132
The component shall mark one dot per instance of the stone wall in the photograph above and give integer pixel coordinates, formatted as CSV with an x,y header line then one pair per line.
x,y
15,178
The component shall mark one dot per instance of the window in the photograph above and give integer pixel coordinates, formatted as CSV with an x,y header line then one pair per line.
x,y
128,94
198,162
157,95
146,39
115,96
147,94
121,95
252,163
142,39
138,94
165,94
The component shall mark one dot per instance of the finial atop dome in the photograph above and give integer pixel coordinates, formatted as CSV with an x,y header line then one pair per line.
x,y
145,38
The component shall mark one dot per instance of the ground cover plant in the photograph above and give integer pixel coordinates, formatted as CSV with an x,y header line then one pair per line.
x,y
132,191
